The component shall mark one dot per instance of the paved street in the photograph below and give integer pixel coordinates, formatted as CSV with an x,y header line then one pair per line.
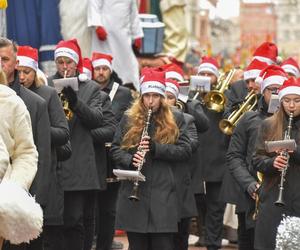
x,y
123,239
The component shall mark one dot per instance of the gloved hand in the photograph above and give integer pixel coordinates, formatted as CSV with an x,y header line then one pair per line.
x,y
71,96
252,188
101,33
138,43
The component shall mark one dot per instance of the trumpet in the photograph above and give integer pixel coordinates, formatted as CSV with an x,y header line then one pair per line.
x,y
227,125
215,100
134,194
65,103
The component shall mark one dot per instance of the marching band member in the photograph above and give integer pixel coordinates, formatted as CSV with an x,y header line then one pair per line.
x,y
37,108
266,53
271,164
59,130
291,67
120,99
79,172
239,155
212,164
187,203
154,221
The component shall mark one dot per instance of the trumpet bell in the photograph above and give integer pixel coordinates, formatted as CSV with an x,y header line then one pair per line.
x,y
226,127
215,101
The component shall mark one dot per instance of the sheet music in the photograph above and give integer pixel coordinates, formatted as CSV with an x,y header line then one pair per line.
x,y
200,83
130,175
59,84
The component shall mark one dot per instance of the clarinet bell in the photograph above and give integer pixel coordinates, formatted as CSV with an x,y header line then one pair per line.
x,y
279,202
134,194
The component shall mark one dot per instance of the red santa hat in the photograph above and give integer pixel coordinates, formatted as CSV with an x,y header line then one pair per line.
x,y
172,86
70,49
173,71
87,67
253,69
152,80
289,87
28,56
209,64
100,59
272,74
267,52
291,66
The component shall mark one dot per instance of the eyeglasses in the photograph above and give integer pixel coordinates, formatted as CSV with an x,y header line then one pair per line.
x,y
273,90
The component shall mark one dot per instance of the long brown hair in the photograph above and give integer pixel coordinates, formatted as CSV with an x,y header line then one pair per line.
x,y
166,130
275,125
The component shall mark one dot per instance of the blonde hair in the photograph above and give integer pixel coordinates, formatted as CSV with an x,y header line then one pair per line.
x,y
3,79
166,129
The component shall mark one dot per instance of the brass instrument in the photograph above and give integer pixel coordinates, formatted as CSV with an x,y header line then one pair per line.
x,y
287,135
134,194
65,103
180,105
215,99
227,125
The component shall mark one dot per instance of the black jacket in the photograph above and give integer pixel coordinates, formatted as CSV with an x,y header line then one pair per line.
x,y
38,111
121,101
80,171
53,212
157,211
235,95
239,157
269,215
101,135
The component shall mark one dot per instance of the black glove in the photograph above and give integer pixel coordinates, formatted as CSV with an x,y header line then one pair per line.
x,y
252,188
70,95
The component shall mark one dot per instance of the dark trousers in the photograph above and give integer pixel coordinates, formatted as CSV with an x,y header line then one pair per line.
x,y
106,213
245,236
151,241
76,211
181,239
214,216
201,208
53,238
36,244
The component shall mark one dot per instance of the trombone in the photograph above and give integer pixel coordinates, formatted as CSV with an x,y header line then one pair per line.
x,y
227,125
215,100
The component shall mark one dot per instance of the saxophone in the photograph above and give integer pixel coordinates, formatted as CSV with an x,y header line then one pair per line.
x,y
134,194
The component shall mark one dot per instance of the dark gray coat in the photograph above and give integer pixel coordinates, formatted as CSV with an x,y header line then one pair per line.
x,y
38,111
269,215
239,157
235,95
102,135
79,172
121,101
53,212
212,149
182,173
157,210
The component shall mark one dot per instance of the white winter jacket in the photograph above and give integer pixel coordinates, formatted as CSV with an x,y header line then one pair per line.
x,y
16,133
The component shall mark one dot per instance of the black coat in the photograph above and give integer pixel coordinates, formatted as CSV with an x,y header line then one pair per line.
x,y
157,211
121,101
53,212
79,172
194,108
269,215
235,95
101,135
38,111
212,149
182,173
239,156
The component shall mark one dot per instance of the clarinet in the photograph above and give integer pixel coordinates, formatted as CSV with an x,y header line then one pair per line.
x,y
287,135
134,194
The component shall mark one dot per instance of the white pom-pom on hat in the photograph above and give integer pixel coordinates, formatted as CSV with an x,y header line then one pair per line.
x,y
83,77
